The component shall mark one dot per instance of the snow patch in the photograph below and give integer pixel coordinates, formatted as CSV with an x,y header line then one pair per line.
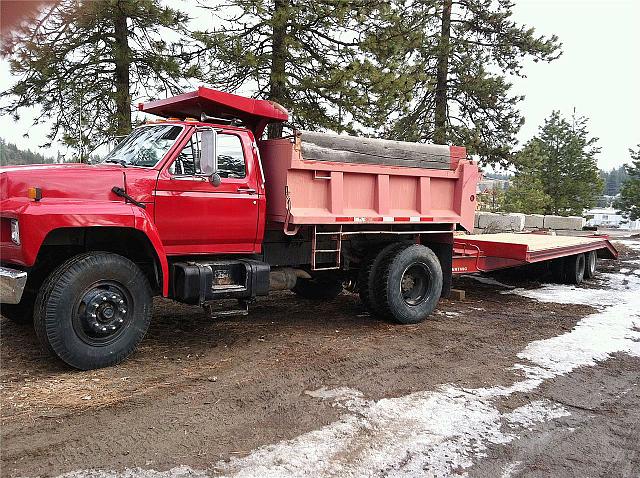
x,y
535,412
596,336
510,469
421,434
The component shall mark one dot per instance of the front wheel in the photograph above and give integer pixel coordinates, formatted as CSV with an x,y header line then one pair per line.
x,y
93,310
408,284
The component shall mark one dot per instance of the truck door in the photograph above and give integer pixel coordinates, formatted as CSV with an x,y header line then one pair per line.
x,y
195,217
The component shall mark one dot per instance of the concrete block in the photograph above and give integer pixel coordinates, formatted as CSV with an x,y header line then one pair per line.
x,y
534,221
457,294
484,219
572,223
501,222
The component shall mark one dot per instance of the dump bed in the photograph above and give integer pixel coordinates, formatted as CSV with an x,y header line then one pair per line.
x,y
351,185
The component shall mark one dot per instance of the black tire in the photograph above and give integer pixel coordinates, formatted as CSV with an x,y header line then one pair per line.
x,y
93,310
21,313
591,259
574,267
367,274
321,287
408,284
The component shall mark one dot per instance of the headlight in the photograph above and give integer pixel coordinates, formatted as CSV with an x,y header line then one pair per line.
x,y
15,231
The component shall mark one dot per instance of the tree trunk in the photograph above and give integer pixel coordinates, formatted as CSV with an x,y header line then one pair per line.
x,y
440,116
277,80
122,60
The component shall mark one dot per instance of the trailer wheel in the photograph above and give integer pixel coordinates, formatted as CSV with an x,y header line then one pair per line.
x,y
591,264
408,284
93,310
322,287
574,267
21,313
368,272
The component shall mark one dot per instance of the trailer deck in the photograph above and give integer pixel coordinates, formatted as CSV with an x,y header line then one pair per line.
x,y
490,252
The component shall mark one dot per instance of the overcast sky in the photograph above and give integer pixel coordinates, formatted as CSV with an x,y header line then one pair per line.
x,y
598,74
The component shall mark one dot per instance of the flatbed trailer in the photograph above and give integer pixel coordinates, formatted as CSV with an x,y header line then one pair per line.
x,y
492,252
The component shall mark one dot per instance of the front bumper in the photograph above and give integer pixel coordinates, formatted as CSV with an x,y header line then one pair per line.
x,y
12,284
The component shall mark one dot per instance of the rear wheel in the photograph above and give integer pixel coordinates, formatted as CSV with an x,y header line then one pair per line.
x,y
408,284
367,275
591,264
321,287
574,267
93,310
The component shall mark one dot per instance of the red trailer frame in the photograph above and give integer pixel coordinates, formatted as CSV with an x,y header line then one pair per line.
x,y
491,252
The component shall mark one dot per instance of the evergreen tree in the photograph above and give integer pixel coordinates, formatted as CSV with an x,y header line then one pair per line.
x,y
85,62
629,201
613,180
11,154
461,61
526,195
562,158
328,62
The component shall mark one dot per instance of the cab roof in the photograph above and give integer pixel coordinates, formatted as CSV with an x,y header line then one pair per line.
x,y
255,114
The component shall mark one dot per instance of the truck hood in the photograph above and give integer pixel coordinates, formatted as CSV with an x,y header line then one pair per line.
x,y
70,181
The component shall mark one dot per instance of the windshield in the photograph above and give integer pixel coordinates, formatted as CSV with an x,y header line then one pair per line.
x,y
145,146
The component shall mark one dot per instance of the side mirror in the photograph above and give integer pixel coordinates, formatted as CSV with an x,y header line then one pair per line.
x,y
209,154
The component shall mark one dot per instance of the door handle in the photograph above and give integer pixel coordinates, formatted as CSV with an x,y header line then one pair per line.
x,y
246,190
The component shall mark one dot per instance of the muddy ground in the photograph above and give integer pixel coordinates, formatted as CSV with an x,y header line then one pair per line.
x,y
200,390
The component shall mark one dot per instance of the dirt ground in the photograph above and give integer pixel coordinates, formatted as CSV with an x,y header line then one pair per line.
x,y
200,390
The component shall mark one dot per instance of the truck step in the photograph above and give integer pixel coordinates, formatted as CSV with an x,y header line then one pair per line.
x,y
243,309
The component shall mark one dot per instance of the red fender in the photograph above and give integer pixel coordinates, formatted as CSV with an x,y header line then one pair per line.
x,y
38,219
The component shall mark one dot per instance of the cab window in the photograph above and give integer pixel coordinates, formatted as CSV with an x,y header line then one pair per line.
x,y
231,162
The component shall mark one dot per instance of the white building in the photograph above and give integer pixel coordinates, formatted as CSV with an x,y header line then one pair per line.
x,y
609,217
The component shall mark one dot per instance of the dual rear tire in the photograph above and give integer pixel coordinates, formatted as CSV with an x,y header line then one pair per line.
x,y
402,281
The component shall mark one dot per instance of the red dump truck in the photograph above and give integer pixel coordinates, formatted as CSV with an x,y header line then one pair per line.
x,y
196,207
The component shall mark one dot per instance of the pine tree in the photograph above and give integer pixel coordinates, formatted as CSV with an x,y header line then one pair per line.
x,y
562,157
526,195
331,63
11,154
629,200
464,57
85,62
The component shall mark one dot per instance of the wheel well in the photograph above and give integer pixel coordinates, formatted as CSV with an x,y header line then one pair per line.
x,y
61,244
